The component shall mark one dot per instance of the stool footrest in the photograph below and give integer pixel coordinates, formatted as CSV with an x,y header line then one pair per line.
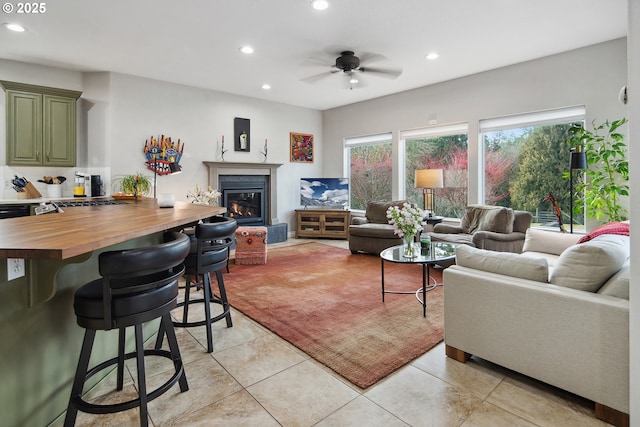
x,y
93,408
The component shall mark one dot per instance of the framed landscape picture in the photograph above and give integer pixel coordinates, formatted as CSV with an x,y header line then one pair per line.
x,y
301,147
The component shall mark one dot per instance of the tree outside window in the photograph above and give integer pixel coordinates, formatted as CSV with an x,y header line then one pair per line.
x,y
370,173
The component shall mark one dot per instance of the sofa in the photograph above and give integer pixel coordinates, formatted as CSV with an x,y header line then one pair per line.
x,y
487,227
373,233
558,312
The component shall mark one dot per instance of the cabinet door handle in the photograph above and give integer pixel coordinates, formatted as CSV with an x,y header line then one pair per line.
x,y
48,157
38,155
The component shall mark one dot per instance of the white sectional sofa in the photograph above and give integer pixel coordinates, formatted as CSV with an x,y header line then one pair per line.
x,y
558,312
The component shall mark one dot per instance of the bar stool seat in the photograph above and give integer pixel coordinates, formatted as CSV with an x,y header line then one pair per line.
x,y
209,254
137,286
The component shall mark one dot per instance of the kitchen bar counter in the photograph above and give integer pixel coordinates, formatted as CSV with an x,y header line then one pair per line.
x,y
83,229
38,331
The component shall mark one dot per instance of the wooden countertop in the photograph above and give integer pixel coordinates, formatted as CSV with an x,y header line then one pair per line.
x,y
83,229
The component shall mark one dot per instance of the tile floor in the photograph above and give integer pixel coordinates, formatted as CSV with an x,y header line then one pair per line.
x,y
254,378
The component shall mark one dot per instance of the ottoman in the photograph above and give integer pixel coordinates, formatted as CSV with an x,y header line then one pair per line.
x,y
251,245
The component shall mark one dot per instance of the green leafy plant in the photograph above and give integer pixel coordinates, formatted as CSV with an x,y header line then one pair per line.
x,y
608,171
126,183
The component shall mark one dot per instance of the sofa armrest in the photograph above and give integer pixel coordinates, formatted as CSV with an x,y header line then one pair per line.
x,y
447,229
358,220
574,340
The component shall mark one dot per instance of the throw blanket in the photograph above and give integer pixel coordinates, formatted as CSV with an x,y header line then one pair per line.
x,y
621,228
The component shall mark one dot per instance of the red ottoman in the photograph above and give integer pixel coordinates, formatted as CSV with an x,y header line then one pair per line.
x,y
251,245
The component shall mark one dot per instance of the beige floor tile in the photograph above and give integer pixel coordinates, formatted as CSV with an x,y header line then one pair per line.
x,y
420,399
361,412
475,375
237,410
208,383
107,394
488,415
258,359
302,395
543,405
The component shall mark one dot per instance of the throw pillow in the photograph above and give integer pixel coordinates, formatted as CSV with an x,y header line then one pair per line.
x,y
587,266
620,228
507,263
618,284
487,218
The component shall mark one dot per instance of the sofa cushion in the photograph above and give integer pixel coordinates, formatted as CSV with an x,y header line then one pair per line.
x,y
587,266
618,284
460,239
509,264
375,230
549,242
377,211
487,218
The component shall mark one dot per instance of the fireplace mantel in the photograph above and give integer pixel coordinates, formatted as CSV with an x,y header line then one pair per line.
x,y
235,168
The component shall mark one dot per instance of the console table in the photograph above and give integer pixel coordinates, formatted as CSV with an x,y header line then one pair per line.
x,y
331,223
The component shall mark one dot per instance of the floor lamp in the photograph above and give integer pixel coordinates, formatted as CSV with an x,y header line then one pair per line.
x,y
578,160
428,180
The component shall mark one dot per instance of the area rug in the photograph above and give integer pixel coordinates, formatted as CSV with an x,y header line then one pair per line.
x,y
327,302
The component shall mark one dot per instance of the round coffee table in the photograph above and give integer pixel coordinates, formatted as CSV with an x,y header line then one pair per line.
x,y
439,252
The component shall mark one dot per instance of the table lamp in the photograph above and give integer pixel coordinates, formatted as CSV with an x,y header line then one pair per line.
x,y
428,180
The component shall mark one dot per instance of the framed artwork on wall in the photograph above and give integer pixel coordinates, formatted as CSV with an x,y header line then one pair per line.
x,y
242,134
301,147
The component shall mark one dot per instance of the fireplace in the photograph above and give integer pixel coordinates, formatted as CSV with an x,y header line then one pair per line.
x,y
245,198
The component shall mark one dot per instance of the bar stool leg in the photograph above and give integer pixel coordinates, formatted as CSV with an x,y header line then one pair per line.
x,y
142,384
167,325
223,298
206,283
122,333
81,372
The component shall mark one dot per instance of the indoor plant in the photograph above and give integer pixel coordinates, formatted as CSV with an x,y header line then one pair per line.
x,y
126,184
607,173
202,197
407,222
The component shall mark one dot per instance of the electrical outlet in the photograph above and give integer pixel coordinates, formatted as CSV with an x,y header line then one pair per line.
x,y
15,268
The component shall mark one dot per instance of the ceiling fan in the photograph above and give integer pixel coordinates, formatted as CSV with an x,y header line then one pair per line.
x,y
349,64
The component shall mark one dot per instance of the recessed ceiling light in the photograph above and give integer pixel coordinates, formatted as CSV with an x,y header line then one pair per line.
x,y
320,4
266,86
246,49
15,27
432,55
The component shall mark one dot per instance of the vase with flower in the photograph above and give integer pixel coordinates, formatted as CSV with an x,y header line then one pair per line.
x,y
203,197
407,222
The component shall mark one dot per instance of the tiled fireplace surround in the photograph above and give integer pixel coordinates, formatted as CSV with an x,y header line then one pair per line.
x,y
277,231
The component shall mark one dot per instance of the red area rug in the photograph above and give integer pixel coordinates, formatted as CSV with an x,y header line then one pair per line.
x,y
327,302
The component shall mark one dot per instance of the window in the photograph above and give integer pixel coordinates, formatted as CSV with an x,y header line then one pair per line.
x,y
442,147
369,164
525,158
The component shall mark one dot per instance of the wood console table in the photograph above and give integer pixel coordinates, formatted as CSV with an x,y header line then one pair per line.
x,y
332,223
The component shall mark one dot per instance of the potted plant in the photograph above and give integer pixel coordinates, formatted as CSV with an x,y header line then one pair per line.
x,y
126,184
608,171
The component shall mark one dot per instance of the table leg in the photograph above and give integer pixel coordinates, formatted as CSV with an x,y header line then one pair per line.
x,y
382,275
425,275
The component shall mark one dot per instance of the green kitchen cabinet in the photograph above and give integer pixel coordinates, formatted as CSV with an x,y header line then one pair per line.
x,y
41,125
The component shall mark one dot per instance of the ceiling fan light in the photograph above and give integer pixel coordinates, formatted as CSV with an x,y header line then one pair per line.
x,y
320,4
15,27
353,80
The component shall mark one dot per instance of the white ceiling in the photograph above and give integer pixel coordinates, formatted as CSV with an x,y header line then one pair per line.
x,y
196,42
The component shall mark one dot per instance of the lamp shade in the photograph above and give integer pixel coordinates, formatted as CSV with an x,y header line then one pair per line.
x,y
429,178
578,160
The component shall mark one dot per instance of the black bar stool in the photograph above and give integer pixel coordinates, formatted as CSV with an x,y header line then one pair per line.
x,y
137,285
209,253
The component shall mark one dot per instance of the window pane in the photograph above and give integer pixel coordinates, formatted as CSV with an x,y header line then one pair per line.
x,y
523,166
443,152
370,173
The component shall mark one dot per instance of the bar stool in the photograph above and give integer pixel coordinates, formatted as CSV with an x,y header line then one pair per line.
x,y
137,286
209,253
228,240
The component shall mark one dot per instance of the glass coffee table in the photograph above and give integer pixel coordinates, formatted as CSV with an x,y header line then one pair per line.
x,y
439,252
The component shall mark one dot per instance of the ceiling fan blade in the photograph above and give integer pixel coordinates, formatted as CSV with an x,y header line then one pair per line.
x,y
316,77
390,73
369,58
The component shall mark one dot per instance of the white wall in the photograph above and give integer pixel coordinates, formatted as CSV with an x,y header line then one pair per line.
x,y
590,76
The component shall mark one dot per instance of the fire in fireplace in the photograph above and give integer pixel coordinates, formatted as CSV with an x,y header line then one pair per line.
x,y
245,200
244,205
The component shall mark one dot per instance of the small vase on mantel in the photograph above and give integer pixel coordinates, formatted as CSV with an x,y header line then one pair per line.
x,y
410,250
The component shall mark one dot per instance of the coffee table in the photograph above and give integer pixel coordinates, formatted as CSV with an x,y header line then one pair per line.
x,y
439,252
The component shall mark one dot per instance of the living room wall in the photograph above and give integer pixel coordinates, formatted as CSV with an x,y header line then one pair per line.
x,y
591,76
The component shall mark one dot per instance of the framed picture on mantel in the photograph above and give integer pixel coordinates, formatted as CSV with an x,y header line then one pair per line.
x,y
242,134
301,147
